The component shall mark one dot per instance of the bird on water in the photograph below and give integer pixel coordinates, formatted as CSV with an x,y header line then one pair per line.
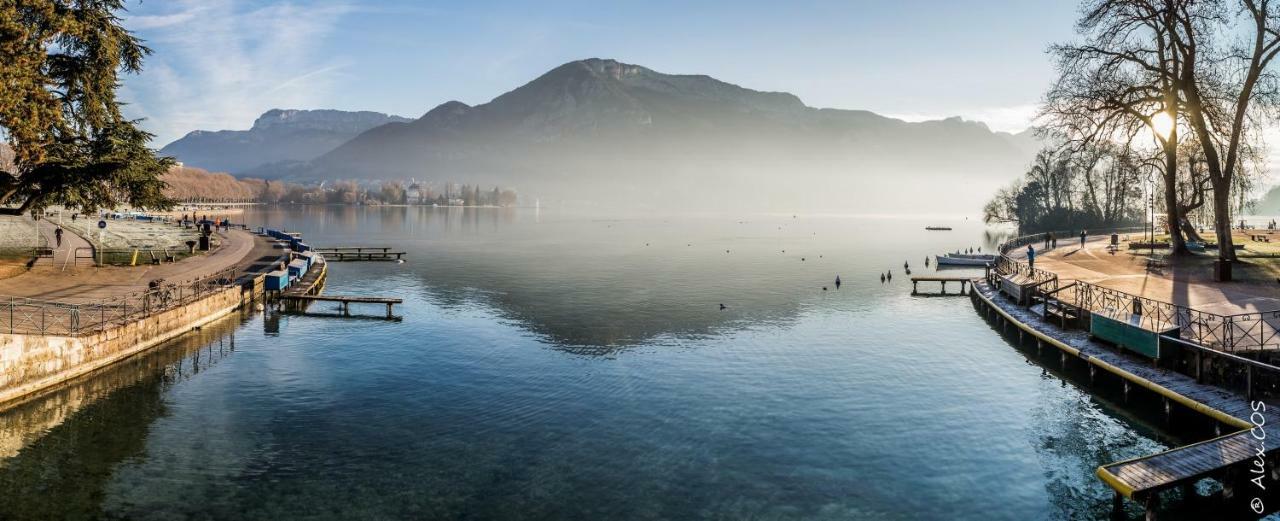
x,y
837,282
723,307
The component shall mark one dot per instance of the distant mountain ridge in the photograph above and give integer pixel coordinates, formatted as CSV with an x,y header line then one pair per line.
x,y
278,135
607,133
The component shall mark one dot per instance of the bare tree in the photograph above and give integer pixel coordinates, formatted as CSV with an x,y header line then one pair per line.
x,y
1228,89
1120,83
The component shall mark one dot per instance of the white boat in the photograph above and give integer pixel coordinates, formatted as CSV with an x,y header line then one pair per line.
x,y
984,256
944,260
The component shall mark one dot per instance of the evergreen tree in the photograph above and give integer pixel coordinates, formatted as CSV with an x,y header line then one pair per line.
x,y
60,62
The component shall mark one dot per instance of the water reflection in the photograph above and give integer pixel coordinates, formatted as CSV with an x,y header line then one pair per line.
x,y
59,451
793,403
594,285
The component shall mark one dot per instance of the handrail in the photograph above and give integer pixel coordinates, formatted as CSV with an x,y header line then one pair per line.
x,y
1068,286
26,316
1244,331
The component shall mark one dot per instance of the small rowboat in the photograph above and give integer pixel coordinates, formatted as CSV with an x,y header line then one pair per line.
x,y
944,260
938,228
983,256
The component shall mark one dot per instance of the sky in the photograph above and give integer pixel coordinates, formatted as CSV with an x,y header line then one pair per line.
x,y
218,64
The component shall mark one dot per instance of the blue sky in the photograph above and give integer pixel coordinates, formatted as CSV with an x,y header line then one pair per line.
x,y
220,63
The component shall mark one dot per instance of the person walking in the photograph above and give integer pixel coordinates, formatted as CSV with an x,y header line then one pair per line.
x,y
1083,235
1031,256
57,236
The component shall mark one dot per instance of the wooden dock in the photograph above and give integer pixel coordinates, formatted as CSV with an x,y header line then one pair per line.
x,y
360,253
1142,479
346,300
943,279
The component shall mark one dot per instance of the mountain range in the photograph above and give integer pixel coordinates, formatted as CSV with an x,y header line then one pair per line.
x,y
601,132
277,137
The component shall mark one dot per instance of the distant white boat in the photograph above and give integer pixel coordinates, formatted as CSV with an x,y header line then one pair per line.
x,y
938,228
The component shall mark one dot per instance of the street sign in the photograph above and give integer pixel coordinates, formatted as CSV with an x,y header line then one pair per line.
x,y
102,224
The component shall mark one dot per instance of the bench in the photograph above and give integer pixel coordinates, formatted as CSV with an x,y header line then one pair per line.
x,y
1157,264
1259,237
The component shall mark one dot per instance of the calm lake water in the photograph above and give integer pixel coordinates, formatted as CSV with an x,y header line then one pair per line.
x,y
552,366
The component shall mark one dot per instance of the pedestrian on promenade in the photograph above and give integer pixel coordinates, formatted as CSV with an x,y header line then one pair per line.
x,y
57,236
1083,235
1031,256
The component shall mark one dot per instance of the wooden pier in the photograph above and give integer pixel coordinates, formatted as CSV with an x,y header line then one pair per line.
x,y
1226,458
345,301
944,279
1142,478
360,253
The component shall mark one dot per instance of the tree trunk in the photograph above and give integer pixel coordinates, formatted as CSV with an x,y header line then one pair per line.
x,y
1190,229
1222,223
1176,241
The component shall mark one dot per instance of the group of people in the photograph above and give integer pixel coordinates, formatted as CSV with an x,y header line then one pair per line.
x,y
223,224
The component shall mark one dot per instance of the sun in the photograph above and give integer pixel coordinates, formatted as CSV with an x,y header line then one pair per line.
x,y
1162,124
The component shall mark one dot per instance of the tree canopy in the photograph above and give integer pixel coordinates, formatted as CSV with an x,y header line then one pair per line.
x,y
60,66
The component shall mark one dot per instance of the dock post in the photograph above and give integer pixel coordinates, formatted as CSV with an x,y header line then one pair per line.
x,y
1093,372
1152,503
388,310
913,287
1063,358
1168,411
944,287
1126,391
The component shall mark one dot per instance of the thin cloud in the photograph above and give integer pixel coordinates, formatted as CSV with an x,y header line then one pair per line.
x,y
220,63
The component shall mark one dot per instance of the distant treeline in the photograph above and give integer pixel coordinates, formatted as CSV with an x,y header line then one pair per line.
x,y
188,184
1064,189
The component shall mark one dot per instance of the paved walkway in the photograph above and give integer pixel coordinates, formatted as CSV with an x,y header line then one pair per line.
x,y
63,281
1127,271
64,255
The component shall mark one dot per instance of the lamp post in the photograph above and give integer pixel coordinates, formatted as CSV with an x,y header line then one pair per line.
x,y
1151,211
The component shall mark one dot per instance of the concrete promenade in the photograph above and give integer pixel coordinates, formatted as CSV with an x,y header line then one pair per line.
x,y
60,279
1177,281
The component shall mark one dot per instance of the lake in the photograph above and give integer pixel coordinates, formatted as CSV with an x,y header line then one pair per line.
x,y
558,366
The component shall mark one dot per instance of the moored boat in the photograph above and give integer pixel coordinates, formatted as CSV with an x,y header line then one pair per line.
x,y
938,228
945,260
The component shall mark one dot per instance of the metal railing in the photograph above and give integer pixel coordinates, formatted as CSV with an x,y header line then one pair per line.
x,y
1061,235
1228,333
37,317
1043,280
